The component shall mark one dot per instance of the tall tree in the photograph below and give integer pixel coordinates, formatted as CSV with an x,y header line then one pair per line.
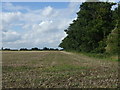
x,y
113,40
93,24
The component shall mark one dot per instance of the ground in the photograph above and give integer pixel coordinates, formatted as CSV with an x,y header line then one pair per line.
x,y
59,69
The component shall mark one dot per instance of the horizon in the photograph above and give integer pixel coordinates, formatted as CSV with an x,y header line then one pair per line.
x,y
29,48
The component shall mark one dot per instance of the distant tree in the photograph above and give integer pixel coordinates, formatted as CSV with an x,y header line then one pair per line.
x,y
23,49
2,48
14,49
51,49
7,49
45,48
35,48
56,49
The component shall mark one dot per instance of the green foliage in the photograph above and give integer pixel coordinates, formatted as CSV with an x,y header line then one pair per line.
x,y
112,41
101,48
102,56
88,33
113,38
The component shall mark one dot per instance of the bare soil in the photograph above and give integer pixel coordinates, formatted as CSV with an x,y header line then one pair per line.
x,y
56,69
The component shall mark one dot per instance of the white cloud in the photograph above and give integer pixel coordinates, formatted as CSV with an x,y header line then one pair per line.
x,y
43,27
10,36
109,0
9,19
10,16
47,11
11,7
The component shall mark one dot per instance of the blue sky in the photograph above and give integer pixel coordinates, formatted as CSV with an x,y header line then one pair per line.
x,y
36,24
40,5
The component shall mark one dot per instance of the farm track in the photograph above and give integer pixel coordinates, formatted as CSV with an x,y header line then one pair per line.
x,y
56,69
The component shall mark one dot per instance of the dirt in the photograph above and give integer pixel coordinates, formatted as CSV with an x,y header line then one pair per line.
x,y
57,69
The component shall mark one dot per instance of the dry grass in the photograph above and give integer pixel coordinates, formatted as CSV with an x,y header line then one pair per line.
x,y
37,69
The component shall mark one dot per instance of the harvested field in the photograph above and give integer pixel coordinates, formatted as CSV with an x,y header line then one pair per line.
x,y
56,69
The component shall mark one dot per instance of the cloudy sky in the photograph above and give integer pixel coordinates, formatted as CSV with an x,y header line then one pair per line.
x,y
36,24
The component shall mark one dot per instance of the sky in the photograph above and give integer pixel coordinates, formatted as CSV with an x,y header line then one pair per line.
x,y
36,24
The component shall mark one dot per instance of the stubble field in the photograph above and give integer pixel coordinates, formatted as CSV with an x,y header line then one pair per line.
x,y
56,69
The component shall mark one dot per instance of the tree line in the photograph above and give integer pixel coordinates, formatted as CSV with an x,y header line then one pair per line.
x,y
96,29
32,49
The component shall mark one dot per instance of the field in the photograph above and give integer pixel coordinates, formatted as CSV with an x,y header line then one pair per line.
x,y
56,69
